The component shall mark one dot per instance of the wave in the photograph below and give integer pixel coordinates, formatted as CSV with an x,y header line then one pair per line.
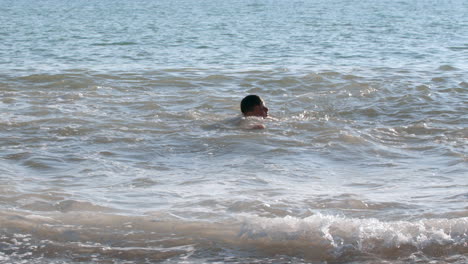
x,y
121,43
164,236
335,238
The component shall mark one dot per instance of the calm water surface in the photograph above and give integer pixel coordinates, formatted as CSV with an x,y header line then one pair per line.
x,y
117,143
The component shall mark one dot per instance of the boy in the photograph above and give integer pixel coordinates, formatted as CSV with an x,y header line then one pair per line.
x,y
253,106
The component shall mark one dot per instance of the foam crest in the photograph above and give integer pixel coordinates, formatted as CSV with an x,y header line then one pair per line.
x,y
342,237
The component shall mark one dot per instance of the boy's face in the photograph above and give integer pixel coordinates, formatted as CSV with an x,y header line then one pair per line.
x,y
260,110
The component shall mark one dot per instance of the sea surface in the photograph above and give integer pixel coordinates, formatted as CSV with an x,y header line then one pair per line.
x,y
118,139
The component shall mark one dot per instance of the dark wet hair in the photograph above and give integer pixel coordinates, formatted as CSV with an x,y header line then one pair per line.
x,y
249,102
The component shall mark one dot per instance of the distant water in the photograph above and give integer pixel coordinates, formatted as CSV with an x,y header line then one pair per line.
x,y
117,143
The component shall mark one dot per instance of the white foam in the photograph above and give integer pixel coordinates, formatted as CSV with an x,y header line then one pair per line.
x,y
364,235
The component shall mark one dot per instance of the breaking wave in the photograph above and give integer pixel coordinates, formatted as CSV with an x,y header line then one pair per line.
x,y
166,237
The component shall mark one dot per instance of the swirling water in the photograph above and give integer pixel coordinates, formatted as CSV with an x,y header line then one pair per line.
x,y
117,143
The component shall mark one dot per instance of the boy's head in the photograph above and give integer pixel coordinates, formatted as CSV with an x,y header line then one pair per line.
x,y
253,105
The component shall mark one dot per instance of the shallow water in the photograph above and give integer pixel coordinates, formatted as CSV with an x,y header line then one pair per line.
x,y
117,143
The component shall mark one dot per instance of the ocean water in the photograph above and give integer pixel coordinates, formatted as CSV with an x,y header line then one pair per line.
x,y
118,145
